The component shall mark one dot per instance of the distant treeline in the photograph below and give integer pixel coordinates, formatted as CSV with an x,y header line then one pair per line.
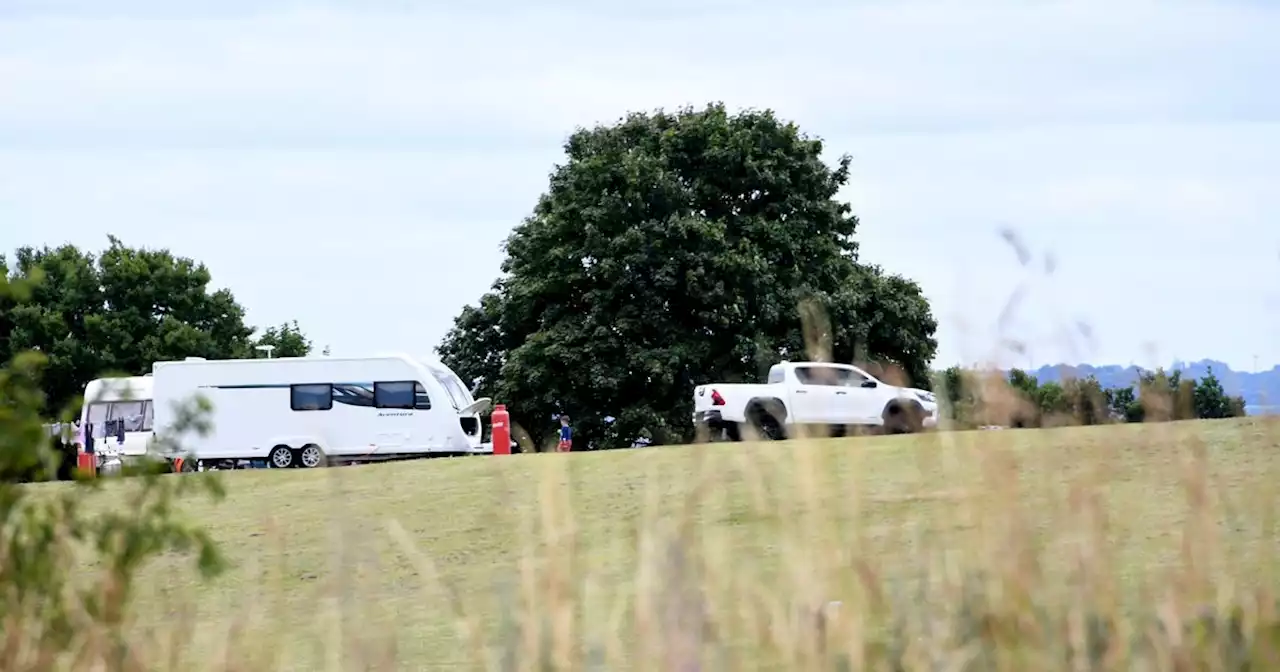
x,y
1017,399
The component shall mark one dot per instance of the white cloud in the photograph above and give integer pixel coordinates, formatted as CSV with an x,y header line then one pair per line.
x,y
387,145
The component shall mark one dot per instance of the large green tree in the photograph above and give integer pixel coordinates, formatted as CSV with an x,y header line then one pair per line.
x,y
673,249
119,311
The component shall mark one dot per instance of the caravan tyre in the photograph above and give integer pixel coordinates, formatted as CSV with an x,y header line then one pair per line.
x,y
311,456
280,457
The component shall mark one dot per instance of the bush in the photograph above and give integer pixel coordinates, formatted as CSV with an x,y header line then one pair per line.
x,y
972,398
53,613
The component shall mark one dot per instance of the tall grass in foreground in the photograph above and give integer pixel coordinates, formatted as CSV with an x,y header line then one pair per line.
x,y
1009,597
1018,553
753,563
1019,569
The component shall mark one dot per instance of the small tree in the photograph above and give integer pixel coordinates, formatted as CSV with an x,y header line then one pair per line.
x,y
1166,396
1088,401
1026,386
957,391
1124,405
1210,399
286,340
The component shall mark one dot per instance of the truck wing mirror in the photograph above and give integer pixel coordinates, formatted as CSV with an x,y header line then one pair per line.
x,y
868,383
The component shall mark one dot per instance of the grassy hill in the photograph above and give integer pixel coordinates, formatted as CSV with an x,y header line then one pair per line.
x,y
731,551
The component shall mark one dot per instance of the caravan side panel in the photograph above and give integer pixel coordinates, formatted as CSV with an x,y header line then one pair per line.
x,y
347,407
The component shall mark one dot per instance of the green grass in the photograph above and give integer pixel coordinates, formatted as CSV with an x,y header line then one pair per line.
x,y
627,556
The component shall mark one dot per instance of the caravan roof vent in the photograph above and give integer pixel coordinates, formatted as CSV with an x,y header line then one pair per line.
x,y
194,359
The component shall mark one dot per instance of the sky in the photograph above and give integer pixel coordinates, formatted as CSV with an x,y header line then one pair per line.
x,y
356,165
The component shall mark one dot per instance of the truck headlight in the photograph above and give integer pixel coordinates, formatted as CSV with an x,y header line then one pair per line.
x,y
926,396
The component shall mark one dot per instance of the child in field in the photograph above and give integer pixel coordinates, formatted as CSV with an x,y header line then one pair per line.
x,y
566,436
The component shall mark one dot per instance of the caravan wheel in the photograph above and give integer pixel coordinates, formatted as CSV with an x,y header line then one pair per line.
x,y
311,456
280,457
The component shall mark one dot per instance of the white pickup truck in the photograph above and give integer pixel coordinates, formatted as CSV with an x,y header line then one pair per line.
x,y
812,393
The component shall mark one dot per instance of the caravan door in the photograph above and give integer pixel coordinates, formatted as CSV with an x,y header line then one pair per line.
x,y
404,418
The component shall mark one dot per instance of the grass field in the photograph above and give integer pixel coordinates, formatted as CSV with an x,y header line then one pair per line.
x,y
724,553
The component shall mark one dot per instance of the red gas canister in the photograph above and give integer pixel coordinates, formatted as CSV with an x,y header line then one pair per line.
x,y
87,464
501,423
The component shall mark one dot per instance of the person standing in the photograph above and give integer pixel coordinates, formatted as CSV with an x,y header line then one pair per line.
x,y
566,436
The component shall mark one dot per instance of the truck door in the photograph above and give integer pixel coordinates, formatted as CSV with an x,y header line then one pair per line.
x,y
863,403
815,397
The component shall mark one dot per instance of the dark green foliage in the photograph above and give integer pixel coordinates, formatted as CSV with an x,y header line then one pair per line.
x,y
673,249
286,339
1210,400
118,312
1124,405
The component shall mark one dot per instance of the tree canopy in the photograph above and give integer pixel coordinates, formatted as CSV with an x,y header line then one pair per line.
x,y
286,340
118,312
673,249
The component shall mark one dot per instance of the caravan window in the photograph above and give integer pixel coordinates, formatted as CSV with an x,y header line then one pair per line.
x,y
453,386
318,397
421,400
395,395
98,412
137,415
353,394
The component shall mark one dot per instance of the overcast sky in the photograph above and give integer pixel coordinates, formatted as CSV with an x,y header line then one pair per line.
x,y
356,165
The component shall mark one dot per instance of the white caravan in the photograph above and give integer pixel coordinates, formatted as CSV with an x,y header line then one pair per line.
x,y
305,411
126,399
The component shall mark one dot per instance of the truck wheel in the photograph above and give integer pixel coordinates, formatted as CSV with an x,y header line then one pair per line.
x,y
903,417
280,457
768,426
311,456
768,418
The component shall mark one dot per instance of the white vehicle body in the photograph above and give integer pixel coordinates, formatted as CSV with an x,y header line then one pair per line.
x,y
814,393
124,398
357,408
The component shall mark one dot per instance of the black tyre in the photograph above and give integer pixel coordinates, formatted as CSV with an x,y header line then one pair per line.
x,y
903,417
768,421
771,429
281,457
